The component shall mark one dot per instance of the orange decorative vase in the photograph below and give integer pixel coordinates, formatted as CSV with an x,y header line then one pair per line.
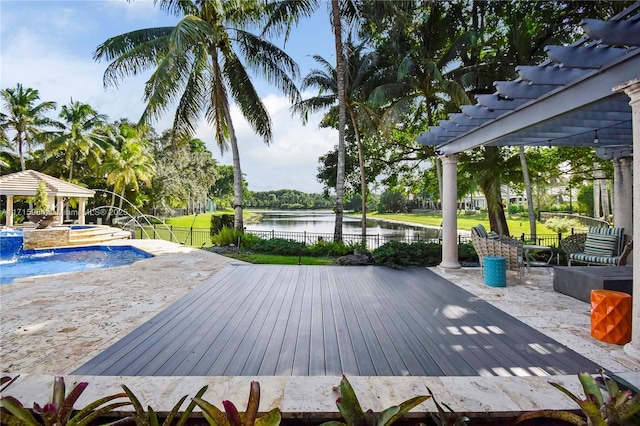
x,y
611,316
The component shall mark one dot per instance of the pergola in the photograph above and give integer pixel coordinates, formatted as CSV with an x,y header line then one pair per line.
x,y
25,184
584,94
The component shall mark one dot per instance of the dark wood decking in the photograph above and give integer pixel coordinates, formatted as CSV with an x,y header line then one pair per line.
x,y
306,320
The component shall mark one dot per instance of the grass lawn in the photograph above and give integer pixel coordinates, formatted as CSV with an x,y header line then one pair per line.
x,y
517,225
199,221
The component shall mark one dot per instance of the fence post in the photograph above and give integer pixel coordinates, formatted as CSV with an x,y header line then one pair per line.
x,y
273,234
171,233
191,236
559,238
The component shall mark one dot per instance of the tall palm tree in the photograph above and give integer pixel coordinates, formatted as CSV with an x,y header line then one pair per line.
x,y
197,64
79,142
127,163
25,117
360,80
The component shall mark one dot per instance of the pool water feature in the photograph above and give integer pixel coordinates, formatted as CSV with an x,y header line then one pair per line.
x,y
26,263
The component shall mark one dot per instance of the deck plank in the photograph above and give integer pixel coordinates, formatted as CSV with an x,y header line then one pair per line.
x,y
308,320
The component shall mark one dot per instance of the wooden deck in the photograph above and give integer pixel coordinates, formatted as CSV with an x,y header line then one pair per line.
x,y
305,320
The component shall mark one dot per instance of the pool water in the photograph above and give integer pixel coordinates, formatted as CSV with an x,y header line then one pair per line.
x,y
28,263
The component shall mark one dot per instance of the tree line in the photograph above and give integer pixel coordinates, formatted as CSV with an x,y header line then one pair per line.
x,y
400,67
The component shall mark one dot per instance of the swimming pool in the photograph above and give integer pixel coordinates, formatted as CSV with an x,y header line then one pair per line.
x,y
27,263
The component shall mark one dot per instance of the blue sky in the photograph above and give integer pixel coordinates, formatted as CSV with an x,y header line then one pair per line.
x,y
48,45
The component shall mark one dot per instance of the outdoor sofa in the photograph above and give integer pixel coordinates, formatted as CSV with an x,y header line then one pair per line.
x,y
599,246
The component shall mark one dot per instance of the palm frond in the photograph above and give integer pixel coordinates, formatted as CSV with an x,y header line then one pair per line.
x,y
271,62
246,96
218,108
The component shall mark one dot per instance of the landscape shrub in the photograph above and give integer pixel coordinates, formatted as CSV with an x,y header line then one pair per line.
x,y
562,224
517,208
280,246
221,221
330,248
226,236
396,254
247,241
467,254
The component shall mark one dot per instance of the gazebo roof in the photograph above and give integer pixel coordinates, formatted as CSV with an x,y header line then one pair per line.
x,y
25,183
566,100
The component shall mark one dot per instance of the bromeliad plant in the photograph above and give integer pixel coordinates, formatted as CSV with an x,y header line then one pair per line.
x,y
231,416
352,413
150,417
622,408
58,412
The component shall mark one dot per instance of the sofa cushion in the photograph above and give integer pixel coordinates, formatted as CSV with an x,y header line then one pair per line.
x,y
619,232
601,260
601,244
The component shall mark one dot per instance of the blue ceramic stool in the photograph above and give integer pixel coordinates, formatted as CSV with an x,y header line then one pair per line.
x,y
495,271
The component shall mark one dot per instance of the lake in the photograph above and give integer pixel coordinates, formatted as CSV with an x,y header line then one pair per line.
x,y
316,222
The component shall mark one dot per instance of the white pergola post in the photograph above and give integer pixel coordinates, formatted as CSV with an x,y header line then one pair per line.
x,y
449,209
9,216
632,89
60,209
81,203
623,194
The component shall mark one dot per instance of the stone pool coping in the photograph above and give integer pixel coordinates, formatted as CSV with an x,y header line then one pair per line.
x,y
50,325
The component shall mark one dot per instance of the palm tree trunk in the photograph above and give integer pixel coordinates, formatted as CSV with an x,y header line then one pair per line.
x,y
113,202
363,177
439,177
337,32
20,149
238,222
121,198
528,193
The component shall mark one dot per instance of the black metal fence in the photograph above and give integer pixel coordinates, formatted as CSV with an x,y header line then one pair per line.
x,y
200,237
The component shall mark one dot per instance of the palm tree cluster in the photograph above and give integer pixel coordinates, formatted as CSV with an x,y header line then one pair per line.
x,y
400,67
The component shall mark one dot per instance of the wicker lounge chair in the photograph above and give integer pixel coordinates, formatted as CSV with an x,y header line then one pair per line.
x,y
490,244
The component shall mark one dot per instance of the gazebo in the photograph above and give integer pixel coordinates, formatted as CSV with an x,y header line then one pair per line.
x,y
585,94
25,183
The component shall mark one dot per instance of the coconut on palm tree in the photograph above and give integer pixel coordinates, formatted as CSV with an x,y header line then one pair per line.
x,y
200,66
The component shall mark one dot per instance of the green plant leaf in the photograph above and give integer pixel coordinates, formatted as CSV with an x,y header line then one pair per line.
x,y
391,414
13,406
187,413
172,414
135,402
85,419
272,418
565,416
591,389
348,404
66,405
152,417
214,416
